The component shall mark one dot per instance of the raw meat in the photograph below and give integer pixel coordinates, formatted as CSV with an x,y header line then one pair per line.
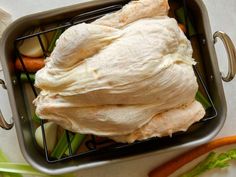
x,y
124,74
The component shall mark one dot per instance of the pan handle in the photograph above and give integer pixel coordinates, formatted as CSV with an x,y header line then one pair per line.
x,y
229,46
3,123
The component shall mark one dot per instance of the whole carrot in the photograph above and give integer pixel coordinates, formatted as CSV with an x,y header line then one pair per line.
x,y
173,165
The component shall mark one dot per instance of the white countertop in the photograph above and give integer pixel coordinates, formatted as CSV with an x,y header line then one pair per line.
x,y
222,16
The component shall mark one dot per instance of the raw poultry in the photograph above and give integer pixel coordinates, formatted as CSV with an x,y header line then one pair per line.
x,y
127,76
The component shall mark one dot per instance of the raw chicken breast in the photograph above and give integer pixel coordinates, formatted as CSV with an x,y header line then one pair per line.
x,y
116,76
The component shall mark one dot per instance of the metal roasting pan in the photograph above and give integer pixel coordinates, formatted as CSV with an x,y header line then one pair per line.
x,y
198,134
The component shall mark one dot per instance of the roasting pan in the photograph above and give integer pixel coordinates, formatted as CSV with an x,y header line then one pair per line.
x,y
198,134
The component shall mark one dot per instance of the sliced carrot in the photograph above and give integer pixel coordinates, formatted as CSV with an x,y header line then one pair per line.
x,y
32,64
173,165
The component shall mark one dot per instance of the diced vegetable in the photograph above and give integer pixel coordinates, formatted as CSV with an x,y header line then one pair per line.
x,y
171,166
75,144
212,161
31,47
23,77
50,130
54,39
61,146
204,101
32,64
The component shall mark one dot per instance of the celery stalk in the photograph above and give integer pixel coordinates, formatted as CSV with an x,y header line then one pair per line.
x,y
54,39
14,168
5,175
24,78
19,168
75,144
36,119
232,154
3,158
212,161
204,101
61,146
8,169
201,167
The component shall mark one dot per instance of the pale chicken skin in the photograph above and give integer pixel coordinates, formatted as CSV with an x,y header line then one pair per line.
x,y
124,76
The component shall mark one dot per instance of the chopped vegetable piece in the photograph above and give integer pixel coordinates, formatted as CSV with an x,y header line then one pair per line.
x,y
23,77
171,166
204,101
50,130
54,39
61,146
181,18
212,161
36,119
32,64
75,144
31,47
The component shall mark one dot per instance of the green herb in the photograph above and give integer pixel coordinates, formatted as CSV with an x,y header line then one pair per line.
x,y
212,161
75,144
61,146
